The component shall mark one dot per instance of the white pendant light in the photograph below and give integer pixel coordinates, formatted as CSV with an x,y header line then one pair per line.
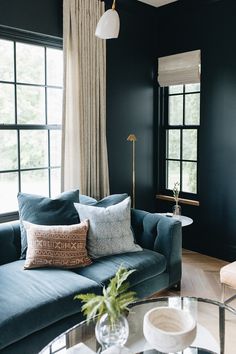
x,y
109,24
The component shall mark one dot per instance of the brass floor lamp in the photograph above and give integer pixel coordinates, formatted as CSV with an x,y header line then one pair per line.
x,y
133,138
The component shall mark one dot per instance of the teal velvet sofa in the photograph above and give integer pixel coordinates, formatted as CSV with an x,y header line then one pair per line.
x,y
37,305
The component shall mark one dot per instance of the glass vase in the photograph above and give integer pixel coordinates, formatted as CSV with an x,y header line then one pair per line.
x,y
176,210
109,334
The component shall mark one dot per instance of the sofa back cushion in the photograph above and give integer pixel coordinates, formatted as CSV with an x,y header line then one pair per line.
x,y
144,225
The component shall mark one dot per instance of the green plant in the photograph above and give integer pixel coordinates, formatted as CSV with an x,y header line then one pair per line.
x,y
114,300
176,191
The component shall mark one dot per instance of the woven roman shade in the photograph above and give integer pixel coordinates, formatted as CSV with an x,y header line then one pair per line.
x,y
183,68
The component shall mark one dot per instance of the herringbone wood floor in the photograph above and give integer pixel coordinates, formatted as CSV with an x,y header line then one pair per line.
x,y
201,279
200,276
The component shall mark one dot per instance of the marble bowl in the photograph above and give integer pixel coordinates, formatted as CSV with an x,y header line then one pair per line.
x,y
169,329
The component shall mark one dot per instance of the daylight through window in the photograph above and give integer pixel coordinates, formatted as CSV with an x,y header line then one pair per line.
x,y
182,120
30,120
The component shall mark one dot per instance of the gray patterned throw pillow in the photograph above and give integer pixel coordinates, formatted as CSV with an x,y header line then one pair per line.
x,y
109,229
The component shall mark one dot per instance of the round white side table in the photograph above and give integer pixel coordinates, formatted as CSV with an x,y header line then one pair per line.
x,y
185,220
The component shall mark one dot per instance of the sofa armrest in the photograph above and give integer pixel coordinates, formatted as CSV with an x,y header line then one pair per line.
x,y
10,242
163,235
169,243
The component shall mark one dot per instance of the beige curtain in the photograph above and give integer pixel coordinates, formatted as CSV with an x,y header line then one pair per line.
x,y
84,147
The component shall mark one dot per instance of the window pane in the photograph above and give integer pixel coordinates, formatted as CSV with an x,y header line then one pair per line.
x,y
54,106
192,87
8,150
176,89
24,99
176,110
54,67
55,182
7,104
8,192
35,182
173,139
190,144
31,105
34,148
55,148
192,109
173,173
6,60
30,63
189,182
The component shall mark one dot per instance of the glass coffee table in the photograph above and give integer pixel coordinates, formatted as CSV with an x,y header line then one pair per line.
x,y
216,324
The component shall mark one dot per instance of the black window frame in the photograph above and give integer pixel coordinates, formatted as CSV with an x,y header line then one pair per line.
x,y
47,41
164,126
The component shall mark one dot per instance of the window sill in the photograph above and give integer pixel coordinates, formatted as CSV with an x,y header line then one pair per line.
x,y
181,200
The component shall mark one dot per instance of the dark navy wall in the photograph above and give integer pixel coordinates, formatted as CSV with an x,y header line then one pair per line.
x,y
42,16
131,63
212,29
132,108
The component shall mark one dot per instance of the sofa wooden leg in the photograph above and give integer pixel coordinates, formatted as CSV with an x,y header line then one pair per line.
x,y
176,287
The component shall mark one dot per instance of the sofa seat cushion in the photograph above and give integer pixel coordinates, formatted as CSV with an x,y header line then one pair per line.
x,y
147,263
34,299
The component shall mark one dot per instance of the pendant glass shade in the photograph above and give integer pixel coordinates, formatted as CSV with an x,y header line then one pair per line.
x,y
109,25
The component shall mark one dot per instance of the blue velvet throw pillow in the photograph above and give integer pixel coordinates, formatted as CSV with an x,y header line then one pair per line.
x,y
111,200
84,199
105,202
46,211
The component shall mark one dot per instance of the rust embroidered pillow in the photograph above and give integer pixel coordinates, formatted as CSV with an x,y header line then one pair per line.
x,y
61,246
